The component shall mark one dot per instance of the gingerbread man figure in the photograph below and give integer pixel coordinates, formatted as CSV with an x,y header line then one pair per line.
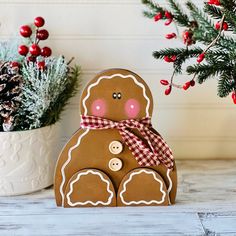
x,y
116,158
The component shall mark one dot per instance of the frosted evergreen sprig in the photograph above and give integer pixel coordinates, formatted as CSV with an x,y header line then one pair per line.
x,y
41,90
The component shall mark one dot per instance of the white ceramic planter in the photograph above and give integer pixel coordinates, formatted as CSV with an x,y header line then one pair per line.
x,y
27,159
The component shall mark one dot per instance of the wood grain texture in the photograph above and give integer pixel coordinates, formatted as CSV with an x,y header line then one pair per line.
x,y
108,33
206,205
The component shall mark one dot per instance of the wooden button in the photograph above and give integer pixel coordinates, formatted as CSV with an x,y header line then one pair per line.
x,y
115,164
115,147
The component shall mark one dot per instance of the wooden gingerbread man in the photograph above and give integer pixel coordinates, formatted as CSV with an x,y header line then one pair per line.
x,y
116,158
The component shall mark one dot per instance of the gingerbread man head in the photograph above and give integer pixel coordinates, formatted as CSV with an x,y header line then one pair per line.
x,y
117,94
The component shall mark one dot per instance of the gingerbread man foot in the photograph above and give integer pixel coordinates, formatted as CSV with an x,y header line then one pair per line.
x,y
89,187
142,187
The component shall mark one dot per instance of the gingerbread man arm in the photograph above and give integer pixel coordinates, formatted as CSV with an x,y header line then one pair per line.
x,y
64,161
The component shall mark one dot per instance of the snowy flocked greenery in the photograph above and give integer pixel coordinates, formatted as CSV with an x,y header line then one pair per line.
x,y
45,92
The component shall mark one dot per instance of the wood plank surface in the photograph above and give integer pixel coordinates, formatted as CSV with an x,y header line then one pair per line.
x,y
206,205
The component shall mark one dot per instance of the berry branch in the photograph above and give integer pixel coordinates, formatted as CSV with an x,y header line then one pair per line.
x,y
34,51
219,54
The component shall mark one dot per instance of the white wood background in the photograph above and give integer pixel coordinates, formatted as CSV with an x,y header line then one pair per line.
x,y
113,33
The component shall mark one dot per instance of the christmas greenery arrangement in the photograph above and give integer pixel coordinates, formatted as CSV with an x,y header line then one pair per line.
x,y
34,86
208,35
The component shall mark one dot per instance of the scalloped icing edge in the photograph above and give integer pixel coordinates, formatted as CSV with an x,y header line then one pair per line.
x,y
142,201
89,202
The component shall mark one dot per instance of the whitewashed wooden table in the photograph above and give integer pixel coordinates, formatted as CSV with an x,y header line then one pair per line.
x,y
206,205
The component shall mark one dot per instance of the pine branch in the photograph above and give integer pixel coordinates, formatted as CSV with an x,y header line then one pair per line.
x,y
205,25
230,18
149,14
154,8
226,85
229,5
192,52
182,55
180,17
213,11
205,71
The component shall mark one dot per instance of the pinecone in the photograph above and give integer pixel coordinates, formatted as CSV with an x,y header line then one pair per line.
x,y
10,94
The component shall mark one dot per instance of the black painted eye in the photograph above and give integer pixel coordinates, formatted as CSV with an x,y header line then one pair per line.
x,y
114,95
119,95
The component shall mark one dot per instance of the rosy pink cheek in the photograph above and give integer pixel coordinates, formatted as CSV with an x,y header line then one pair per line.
x,y
132,108
98,108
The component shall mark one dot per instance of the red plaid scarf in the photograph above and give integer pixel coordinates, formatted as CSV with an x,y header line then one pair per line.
x,y
157,152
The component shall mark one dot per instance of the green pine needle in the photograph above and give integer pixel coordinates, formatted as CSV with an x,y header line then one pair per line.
x,y
179,15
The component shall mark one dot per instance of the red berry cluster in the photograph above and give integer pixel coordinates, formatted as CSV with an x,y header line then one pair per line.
x,y
166,83
189,84
224,26
170,58
167,15
186,86
188,37
32,52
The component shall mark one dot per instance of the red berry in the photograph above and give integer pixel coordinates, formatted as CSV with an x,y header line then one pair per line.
x,y
168,22
23,50
234,101
164,82
224,26
46,52
173,58
167,59
171,36
233,95
186,85
168,90
39,21
41,65
186,35
158,16
217,26
214,2
168,15
192,83
35,50
201,57
25,31
31,59
42,34
15,64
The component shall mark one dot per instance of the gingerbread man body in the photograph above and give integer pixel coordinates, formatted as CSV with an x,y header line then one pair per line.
x,y
96,167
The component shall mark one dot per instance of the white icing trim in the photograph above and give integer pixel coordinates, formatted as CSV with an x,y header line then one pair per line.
x,y
110,77
91,202
67,162
170,184
142,201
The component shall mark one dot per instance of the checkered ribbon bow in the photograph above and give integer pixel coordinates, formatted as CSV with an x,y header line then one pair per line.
x,y
156,152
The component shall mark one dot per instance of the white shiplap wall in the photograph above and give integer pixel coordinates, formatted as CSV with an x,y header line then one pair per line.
x,y
113,33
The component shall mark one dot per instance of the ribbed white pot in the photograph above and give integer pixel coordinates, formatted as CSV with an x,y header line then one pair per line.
x,y
27,159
